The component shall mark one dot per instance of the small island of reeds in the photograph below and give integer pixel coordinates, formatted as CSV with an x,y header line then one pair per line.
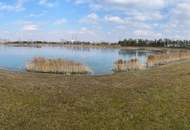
x,y
57,66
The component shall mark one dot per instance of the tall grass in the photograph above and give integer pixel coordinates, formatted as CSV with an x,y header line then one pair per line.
x,y
123,65
134,64
120,65
39,64
154,60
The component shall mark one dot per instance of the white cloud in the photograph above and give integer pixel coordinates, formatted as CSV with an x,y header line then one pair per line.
x,y
82,34
18,6
146,4
30,27
48,3
153,4
147,33
91,18
144,16
39,14
60,21
181,12
115,19
178,22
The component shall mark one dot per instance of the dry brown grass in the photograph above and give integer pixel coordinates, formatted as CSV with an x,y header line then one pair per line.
x,y
134,64
161,59
39,64
152,99
122,65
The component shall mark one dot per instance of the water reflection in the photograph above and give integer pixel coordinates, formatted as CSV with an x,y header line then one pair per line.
x,y
100,60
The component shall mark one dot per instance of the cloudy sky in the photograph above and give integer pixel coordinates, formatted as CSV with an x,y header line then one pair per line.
x,y
94,20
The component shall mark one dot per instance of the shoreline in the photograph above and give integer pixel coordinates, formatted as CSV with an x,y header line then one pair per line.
x,y
95,46
160,50
7,70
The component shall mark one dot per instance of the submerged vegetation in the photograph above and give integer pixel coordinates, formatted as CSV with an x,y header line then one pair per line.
x,y
123,65
39,64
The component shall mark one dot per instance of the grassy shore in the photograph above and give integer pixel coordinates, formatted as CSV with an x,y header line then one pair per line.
x,y
157,98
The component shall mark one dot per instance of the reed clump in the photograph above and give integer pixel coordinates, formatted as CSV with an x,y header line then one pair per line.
x,y
120,65
161,59
43,65
134,64
123,65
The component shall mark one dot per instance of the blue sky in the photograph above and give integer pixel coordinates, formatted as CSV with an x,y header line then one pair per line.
x,y
94,20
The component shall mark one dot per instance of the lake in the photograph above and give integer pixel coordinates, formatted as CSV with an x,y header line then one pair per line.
x,y
100,60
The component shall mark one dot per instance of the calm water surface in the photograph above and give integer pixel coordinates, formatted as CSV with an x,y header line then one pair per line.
x,y
99,60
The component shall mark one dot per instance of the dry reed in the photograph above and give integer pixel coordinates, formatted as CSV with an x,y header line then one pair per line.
x,y
154,60
123,65
43,65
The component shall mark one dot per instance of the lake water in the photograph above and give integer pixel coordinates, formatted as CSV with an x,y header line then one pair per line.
x,y
99,60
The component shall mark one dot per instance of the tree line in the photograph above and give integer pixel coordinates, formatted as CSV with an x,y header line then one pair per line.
x,y
125,42
156,43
